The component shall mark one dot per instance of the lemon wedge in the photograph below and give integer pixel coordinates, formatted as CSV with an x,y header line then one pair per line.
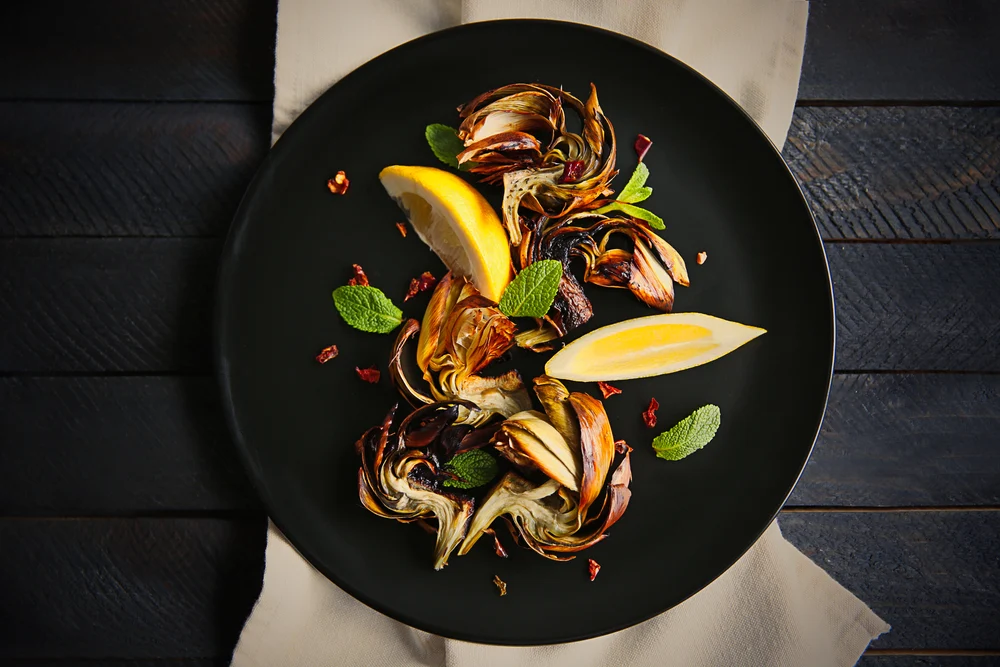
x,y
647,346
457,222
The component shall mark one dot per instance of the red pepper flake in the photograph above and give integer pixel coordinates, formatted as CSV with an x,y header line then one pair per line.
x,y
421,284
701,257
642,144
649,416
360,278
401,226
370,375
622,447
571,171
608,390
327,353
338,184
593,567
500,584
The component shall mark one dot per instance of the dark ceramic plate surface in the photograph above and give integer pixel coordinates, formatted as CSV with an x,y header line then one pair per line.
x,y
720,186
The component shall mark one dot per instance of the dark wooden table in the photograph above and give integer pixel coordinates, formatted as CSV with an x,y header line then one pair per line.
x,y
128,131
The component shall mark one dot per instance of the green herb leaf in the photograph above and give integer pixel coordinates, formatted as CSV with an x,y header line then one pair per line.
x,y
534,289
635,190
655,221
689,435
367,308
473,468
445,143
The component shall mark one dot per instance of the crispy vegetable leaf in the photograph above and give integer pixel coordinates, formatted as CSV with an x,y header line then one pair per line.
x,y
689,435
473,468
534,289
367,308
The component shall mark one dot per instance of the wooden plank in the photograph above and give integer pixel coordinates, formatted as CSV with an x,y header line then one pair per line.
x,y
906,440
117,445
127,588
899,172
932,576
126,169
224,50
118,49
139,445
902,50
177,588
137,305
869,660
152,170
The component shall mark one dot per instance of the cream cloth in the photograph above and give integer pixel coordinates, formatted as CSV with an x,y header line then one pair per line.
x,y
774,607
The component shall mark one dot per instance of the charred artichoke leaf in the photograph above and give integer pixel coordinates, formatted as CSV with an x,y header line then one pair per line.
x,y
528,440
597,446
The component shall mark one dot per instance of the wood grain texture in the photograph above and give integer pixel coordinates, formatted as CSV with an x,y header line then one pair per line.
x,y
902,50
137,305
116,445
127,588
899,172
111,169
141,445
906,440
177,588
933,576
107,169
118,49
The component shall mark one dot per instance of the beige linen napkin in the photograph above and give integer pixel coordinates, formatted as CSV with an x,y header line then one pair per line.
x,y
774,607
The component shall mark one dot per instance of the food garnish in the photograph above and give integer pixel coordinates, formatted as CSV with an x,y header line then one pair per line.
x,y
370,375
647,346
689,435
462,334
366,308
701,257
445,143
534,289
649,414
338,184
635,191
608,390
401,226
471,469
642,144
456,222
593,567
421,284
327,353
497,547
500,584
359,277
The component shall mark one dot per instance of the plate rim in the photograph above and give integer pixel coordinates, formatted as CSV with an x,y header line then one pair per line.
x,y
225,279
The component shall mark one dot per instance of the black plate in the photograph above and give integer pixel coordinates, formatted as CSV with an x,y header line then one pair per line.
x,y
720,186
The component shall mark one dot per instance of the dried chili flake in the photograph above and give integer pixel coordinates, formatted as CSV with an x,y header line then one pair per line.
x,y
401,226
338,184
649,415
327,353
608,390
593,567
370,375
642,144
360,277
500,584
622,447
701,257
421,284
571,171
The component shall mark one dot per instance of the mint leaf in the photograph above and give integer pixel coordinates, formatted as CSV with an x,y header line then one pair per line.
x,y
445,143
534,289
689,435
655,221
635,191
367,308
473,468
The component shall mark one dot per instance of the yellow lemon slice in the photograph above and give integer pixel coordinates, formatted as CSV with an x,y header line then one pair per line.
x,y
457,222
647,346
